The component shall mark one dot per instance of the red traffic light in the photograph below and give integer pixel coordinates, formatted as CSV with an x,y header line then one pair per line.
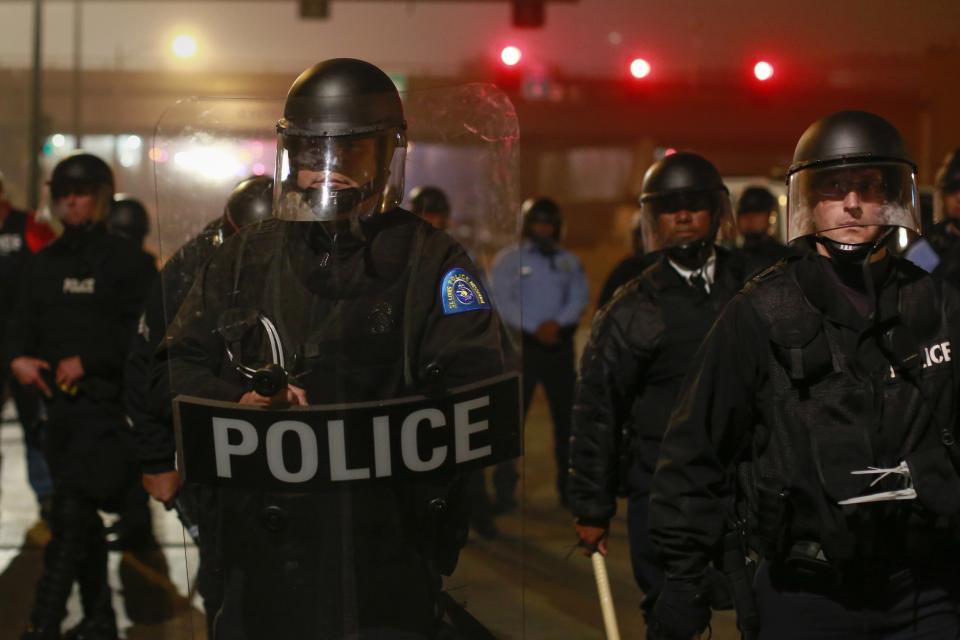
x,y
639,68
763,71
510,55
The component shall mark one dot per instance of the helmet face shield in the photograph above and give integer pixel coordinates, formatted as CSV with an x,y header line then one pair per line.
x,y
326,178
683,219
852,203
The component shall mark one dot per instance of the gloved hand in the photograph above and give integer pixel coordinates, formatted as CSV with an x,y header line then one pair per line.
x,y
682,611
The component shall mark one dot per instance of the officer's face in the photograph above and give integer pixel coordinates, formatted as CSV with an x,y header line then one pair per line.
x,y
337,164
542,229
77,208
683,226
752,223
848,205
951,205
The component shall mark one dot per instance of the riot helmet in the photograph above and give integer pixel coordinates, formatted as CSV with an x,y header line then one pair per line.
x,y
128,218
81,174
681,186
431,204
250,201
542,224
851,183
757,208
947,199
341,144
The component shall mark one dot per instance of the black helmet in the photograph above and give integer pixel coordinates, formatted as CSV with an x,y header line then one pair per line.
x,y
849,137
757,200
250,201
82,172
948,176
683,181
342,137
542,210
128,218
851,154
80,169
429,199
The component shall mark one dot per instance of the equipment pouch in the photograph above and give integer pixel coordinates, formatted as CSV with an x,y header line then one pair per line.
x,y
801,348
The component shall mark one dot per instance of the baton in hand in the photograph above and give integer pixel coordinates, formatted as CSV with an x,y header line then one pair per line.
x,y
606,599
188,524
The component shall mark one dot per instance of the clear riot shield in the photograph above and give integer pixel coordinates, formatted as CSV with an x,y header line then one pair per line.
x,y
340,383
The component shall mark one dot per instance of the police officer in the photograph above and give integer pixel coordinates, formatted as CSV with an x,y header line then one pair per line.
x,y
75,314
552,285
250,202
820,417
14,252
640,347
431,204
345,286
755,210
938,251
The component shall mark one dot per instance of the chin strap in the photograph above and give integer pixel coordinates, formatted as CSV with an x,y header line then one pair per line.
x,y
693,255
858,254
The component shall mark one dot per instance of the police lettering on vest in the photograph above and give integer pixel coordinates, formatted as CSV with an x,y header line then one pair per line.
x,y
933,355
301,448
78,285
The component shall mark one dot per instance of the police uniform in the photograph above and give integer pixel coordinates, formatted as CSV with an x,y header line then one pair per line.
x,y
795,374
818,421
625,271
640,347
551,286
81,296
400,312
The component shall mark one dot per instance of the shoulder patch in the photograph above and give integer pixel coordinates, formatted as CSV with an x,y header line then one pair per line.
x,y
460,292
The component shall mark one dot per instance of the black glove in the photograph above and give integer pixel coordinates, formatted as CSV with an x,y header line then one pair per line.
x,y
682,610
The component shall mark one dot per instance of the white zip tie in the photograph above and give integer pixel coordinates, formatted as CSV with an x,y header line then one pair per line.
x,y
902,470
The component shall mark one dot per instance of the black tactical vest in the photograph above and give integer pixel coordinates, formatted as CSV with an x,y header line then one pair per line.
x,y
825,413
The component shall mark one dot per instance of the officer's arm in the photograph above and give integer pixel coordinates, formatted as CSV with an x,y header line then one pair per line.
x,y
577,295
464,347
152,435
693,482
623,340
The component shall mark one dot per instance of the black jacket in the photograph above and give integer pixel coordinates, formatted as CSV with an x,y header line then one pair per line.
x,y
625,271
81,296
792,390
640,347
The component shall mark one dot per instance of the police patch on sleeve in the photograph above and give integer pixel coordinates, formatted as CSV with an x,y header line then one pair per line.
x,y
460,292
